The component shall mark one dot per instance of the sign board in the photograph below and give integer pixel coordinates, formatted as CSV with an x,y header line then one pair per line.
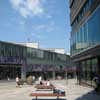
x,y
11,60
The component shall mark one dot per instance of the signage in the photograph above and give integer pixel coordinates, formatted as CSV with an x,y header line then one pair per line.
x,y
11,60
44,68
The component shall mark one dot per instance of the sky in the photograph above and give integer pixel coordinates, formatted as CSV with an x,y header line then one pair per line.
x,y
43,21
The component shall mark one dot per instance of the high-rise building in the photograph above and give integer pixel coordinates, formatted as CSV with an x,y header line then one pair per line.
x,y
85,38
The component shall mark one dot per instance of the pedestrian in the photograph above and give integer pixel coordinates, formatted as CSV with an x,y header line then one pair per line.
x,y
17,82
96,79
33,79
40,79
8,78
48,83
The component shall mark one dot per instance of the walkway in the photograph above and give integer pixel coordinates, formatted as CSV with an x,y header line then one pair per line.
x,y
8,91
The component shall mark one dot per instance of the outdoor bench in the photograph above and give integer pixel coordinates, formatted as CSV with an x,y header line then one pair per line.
x,y
47,95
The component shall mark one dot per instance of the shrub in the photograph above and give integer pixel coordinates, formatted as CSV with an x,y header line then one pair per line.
x,y
29,80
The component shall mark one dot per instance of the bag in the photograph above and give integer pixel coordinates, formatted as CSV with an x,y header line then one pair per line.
x,y
59,91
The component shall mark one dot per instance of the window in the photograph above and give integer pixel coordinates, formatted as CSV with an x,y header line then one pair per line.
x,y
88,34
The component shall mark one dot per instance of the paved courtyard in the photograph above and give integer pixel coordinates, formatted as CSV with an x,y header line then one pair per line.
x,y
8,91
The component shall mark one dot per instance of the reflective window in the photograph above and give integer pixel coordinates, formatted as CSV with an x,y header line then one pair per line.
x,y
88,34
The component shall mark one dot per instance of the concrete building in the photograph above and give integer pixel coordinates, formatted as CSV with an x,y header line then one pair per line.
x,y
21,60
85,38
56,50
30,44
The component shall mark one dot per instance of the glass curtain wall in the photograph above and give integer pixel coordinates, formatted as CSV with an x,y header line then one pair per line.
x,y
88,34
88,69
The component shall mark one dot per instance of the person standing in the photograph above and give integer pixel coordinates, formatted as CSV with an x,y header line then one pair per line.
x,y
40,80
33,79
8,78
17,82
96,79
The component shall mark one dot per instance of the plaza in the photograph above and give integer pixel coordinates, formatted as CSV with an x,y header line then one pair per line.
x,y
53,44
8,91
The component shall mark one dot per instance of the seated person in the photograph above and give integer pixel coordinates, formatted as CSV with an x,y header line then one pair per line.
x,y
41,83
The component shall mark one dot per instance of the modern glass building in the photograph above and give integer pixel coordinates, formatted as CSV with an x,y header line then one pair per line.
x,y
20,60
85,38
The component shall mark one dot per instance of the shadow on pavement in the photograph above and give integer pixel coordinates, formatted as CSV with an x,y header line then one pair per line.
x,y
50,99
90,96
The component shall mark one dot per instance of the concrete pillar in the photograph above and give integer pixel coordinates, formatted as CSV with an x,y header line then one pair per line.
x,y
98,67
66,78
54,75
23,73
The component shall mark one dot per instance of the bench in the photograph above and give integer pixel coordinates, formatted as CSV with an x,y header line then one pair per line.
x,y
47,95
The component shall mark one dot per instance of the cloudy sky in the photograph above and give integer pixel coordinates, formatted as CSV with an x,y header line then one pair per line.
x,y
43,21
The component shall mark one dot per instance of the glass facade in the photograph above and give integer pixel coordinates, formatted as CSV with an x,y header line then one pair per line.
x,y
46,57
88,69
10,51
20,60
88,34
83,11
85,39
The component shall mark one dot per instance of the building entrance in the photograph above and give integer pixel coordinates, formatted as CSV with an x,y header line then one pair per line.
x,y
9,71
